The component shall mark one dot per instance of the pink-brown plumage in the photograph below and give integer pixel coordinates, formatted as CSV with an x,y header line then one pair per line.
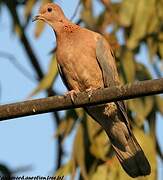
x,y
86,61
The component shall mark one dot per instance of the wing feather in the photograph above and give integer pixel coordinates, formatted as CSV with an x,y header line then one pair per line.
x,y
106,61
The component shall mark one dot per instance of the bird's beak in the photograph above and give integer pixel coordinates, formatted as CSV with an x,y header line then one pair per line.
x,y
38,17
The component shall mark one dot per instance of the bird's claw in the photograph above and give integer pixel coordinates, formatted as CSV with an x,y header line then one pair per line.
x,y
90,91
71,93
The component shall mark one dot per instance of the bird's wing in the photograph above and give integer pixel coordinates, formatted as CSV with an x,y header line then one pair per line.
x,y
106,61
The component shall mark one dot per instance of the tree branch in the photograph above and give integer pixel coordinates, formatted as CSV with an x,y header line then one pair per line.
x,y
55,103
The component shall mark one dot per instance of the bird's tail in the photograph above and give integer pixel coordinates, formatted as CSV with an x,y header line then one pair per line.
x,y
113,119
133,159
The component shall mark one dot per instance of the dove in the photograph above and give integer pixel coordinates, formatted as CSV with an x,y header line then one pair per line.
x,y
86,62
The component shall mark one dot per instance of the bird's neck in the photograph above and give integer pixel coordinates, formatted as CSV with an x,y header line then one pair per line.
x,y
64,27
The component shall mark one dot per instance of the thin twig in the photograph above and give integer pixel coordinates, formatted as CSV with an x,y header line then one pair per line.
x,y
76,10
55,103
17,65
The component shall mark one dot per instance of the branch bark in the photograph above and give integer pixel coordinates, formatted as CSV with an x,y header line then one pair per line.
x,y
99,96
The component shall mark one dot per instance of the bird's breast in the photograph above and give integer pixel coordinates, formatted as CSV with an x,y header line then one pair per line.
x,y
80,66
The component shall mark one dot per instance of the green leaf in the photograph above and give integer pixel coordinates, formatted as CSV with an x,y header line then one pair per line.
x,y
127,12
65,128
79,151
148,105
93,128
18,30
99,141
86,13
141,108
40,25
87,4
153,26
129,66
152,46
100,146
28,8
80,112
67,123
140,22
160,45
159,5
48,79
65,169
142,73
101,173
136,106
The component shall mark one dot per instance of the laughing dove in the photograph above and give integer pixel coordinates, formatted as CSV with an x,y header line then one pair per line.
x,y
85,62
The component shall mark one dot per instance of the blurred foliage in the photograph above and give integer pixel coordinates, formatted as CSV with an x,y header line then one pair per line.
x,y
48,79
4,171
140,23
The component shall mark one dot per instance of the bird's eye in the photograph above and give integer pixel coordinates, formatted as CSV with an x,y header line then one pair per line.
x,y
49,9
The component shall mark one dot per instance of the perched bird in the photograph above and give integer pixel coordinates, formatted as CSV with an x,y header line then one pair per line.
x,y
86,62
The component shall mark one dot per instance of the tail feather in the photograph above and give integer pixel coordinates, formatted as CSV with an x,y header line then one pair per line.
x,y
128,151
133,159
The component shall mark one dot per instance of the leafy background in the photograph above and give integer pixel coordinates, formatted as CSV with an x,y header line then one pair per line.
x,y
82,150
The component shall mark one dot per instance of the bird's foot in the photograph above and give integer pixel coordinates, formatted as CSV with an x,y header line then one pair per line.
x,y
72,94
90,91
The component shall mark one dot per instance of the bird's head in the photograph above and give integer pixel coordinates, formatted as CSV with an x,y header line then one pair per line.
x,y
50,13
